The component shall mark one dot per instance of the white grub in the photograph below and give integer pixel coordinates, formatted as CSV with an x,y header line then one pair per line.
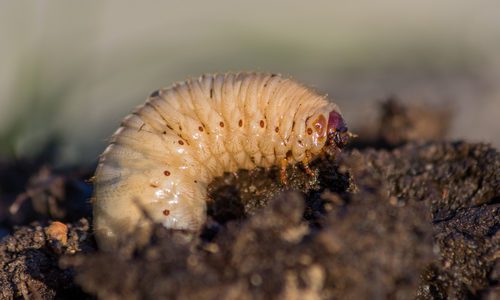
x,y
162,158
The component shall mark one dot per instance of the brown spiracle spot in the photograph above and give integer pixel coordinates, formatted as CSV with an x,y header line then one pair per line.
x,y
153,185
309,131
181,142
221,124
320,126
277,129
166,173
200,128
262,124
164,132
240,123
166,212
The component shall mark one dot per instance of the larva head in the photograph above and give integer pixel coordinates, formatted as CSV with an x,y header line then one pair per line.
x,y
337,133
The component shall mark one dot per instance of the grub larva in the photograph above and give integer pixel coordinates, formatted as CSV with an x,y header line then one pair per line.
x,y
164,155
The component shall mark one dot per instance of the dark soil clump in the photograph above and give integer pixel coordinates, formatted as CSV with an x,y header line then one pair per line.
x,y
408,220
29,260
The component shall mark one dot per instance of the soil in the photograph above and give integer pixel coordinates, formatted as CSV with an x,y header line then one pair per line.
x,y
404,214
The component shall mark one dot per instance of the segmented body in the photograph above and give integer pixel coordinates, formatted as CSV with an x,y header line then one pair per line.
x,y
164,155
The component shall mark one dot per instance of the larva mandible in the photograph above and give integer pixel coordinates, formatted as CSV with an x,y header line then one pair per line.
x,y
164,155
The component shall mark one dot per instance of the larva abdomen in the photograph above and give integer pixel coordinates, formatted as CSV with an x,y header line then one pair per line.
x,y
164,155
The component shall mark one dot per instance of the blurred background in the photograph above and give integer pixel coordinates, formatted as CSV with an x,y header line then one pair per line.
x,y
70,71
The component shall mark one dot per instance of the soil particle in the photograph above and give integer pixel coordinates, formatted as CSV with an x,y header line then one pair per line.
x,y
403,123
29,262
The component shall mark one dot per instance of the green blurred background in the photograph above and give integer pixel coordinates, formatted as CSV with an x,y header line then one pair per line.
x,y
70,71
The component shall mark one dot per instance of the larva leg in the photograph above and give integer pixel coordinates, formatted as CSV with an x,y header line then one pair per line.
x,y
283,177
305,163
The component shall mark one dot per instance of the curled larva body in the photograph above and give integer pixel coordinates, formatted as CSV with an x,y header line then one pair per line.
x,y
162,158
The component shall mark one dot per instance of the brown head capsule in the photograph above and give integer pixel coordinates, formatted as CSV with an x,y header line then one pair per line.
x,y
337,133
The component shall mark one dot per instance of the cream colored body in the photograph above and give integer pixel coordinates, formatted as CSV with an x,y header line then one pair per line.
x,y
164,155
